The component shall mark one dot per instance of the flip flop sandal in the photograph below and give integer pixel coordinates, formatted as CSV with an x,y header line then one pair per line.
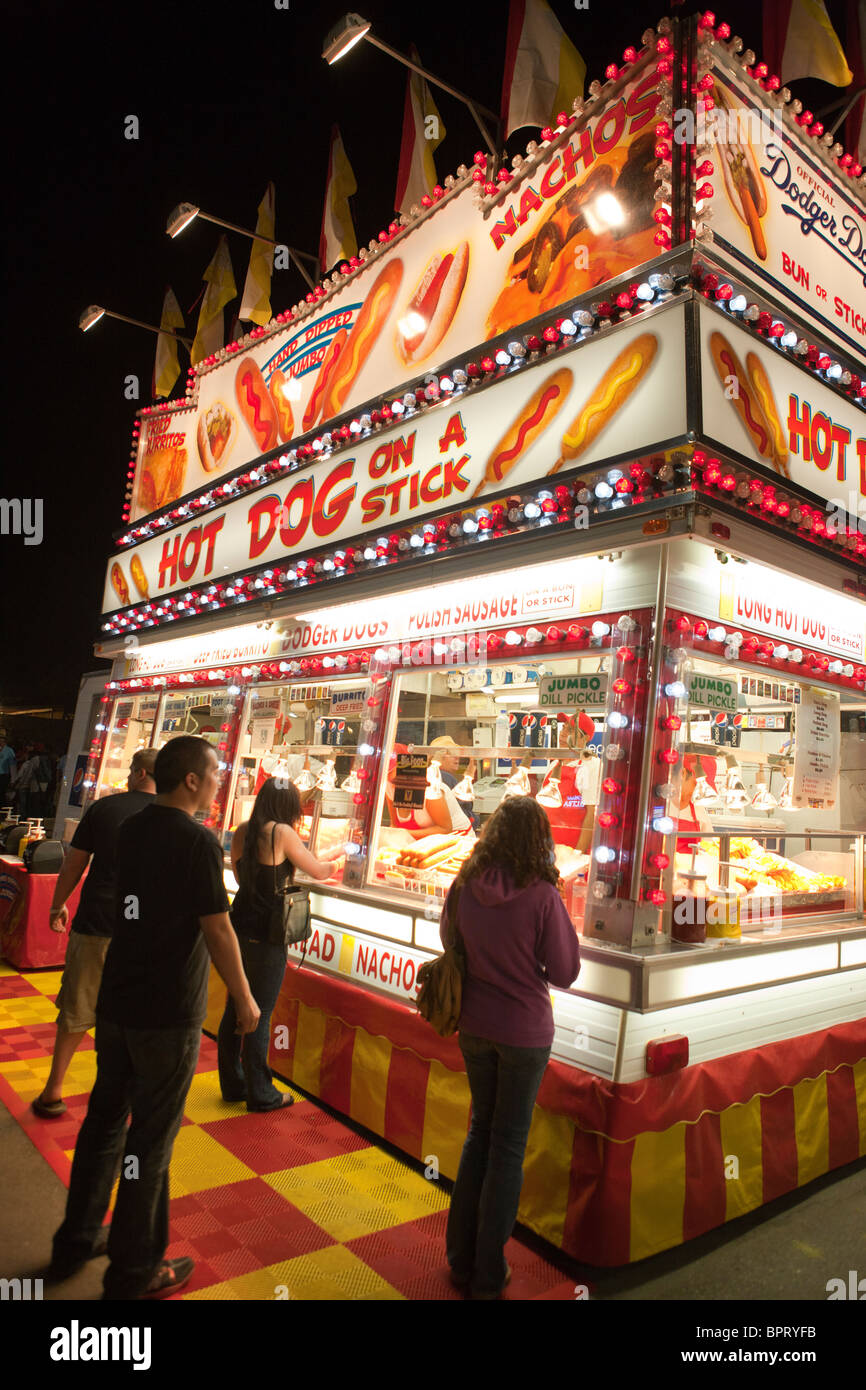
x,y
171,1275
48,1109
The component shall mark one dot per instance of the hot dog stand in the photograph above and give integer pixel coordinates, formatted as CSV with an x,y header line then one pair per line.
x,y
608,543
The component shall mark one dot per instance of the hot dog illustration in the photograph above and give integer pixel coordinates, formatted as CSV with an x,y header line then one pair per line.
x,y
430,312
744,398
119,584
216,433
760,383
539,412
324,377
282,405
365,331
747,193
139,578
622,377
256,405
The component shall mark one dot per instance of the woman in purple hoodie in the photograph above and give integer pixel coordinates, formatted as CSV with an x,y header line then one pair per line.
x,y
519,940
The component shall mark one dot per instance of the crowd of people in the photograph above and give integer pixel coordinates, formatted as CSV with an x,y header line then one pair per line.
x,y
30,778
137,967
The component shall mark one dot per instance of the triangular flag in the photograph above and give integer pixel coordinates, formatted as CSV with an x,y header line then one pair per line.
x,y
220,290
544,72
423,132
338,240
166,368
811,48
256,301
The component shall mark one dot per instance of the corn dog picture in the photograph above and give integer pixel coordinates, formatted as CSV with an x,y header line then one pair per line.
x,y
139,578
119,584
362,339
622,377
760,384
257,407
216,433
539,412
744,186
323,378
430,312
745,401
282,405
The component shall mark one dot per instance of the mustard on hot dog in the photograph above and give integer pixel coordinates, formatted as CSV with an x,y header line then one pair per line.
x,y
619,381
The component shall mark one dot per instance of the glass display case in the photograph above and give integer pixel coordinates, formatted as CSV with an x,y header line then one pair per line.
x,y
210,714
130,729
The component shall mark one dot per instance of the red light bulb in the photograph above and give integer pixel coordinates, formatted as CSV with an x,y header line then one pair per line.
x,y
660,861
608,819
611,786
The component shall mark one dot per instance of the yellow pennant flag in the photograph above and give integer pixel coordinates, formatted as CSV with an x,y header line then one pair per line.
x,y
256,300
338,240
166,368
543,70
811,46
220,290
423,132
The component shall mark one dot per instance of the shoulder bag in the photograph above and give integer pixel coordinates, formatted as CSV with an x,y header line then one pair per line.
x,y
289,920
440,997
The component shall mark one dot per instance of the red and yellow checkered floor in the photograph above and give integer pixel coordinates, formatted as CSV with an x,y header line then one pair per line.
x,y
293,1205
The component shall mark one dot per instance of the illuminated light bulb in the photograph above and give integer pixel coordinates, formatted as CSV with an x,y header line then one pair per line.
x,y
847,669
534,636
782,652
672,721
470,526
568,328
600,629
614,475
675,690
611,786
603,491
532,511
789,339
616,720
738,304
602,890
605,855
608,819
614,752
513,639
663,825
517,349
503,358
660,861
622,687
645,292
416,540
835,667
626,623
657,897
669,756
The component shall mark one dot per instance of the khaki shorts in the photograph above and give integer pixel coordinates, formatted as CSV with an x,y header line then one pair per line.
x,y
82,976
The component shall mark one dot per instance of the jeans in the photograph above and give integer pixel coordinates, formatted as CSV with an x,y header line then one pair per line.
x,y
504,1082
146,1072
243,1061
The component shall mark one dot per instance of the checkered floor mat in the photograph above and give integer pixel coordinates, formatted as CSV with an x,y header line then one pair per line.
x,y
291,1205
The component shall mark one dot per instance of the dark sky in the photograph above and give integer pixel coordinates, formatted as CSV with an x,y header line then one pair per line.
x,y
227,96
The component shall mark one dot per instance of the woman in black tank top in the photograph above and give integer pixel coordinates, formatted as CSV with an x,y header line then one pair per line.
x,y
264,846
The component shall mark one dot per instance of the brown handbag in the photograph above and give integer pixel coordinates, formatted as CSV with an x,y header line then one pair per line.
x,y
440,996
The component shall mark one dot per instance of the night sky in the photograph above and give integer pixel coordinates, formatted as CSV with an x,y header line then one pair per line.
x,y
227,97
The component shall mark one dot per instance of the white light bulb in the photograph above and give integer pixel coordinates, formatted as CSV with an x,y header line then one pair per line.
x,y
781,653
600,629
616,720
663,825
605,855
532,511
614,752
717,634
737,304
603,491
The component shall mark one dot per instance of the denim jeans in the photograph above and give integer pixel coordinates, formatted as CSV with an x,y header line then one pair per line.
x,y
243,1061
504,1082
146,1072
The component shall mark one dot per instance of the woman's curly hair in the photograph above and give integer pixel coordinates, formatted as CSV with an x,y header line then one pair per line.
x,y
517,838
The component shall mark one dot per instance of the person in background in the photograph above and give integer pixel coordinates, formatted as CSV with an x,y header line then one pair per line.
x,y
7,768
266,851
94,844
25,784
442,812
171,917
449,767
518,940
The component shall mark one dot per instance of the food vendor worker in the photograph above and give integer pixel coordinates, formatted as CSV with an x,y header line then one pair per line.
x,y
573,821
438,813
693,820
448,758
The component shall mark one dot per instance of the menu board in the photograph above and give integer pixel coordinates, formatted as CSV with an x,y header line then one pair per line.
x,y
410,781
572,692
816,751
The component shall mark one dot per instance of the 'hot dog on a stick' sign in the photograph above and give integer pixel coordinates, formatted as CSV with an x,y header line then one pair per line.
x,y
613,400
579,217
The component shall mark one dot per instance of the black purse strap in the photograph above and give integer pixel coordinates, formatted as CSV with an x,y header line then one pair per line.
x,y
455,939
274,855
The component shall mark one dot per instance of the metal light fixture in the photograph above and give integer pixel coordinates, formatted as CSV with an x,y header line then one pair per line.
x,y
181,216
352,28
94,312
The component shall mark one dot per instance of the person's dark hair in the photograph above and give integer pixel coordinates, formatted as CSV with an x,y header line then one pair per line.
x,y
276,801
180,756
144,761
517,838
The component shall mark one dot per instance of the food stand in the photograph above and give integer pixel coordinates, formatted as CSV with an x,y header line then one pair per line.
x,y
608,544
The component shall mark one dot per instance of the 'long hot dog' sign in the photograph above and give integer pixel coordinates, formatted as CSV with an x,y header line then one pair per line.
x,y
612,400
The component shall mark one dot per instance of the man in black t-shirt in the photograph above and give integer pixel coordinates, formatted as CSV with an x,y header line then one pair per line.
x,y
94,844
171,918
